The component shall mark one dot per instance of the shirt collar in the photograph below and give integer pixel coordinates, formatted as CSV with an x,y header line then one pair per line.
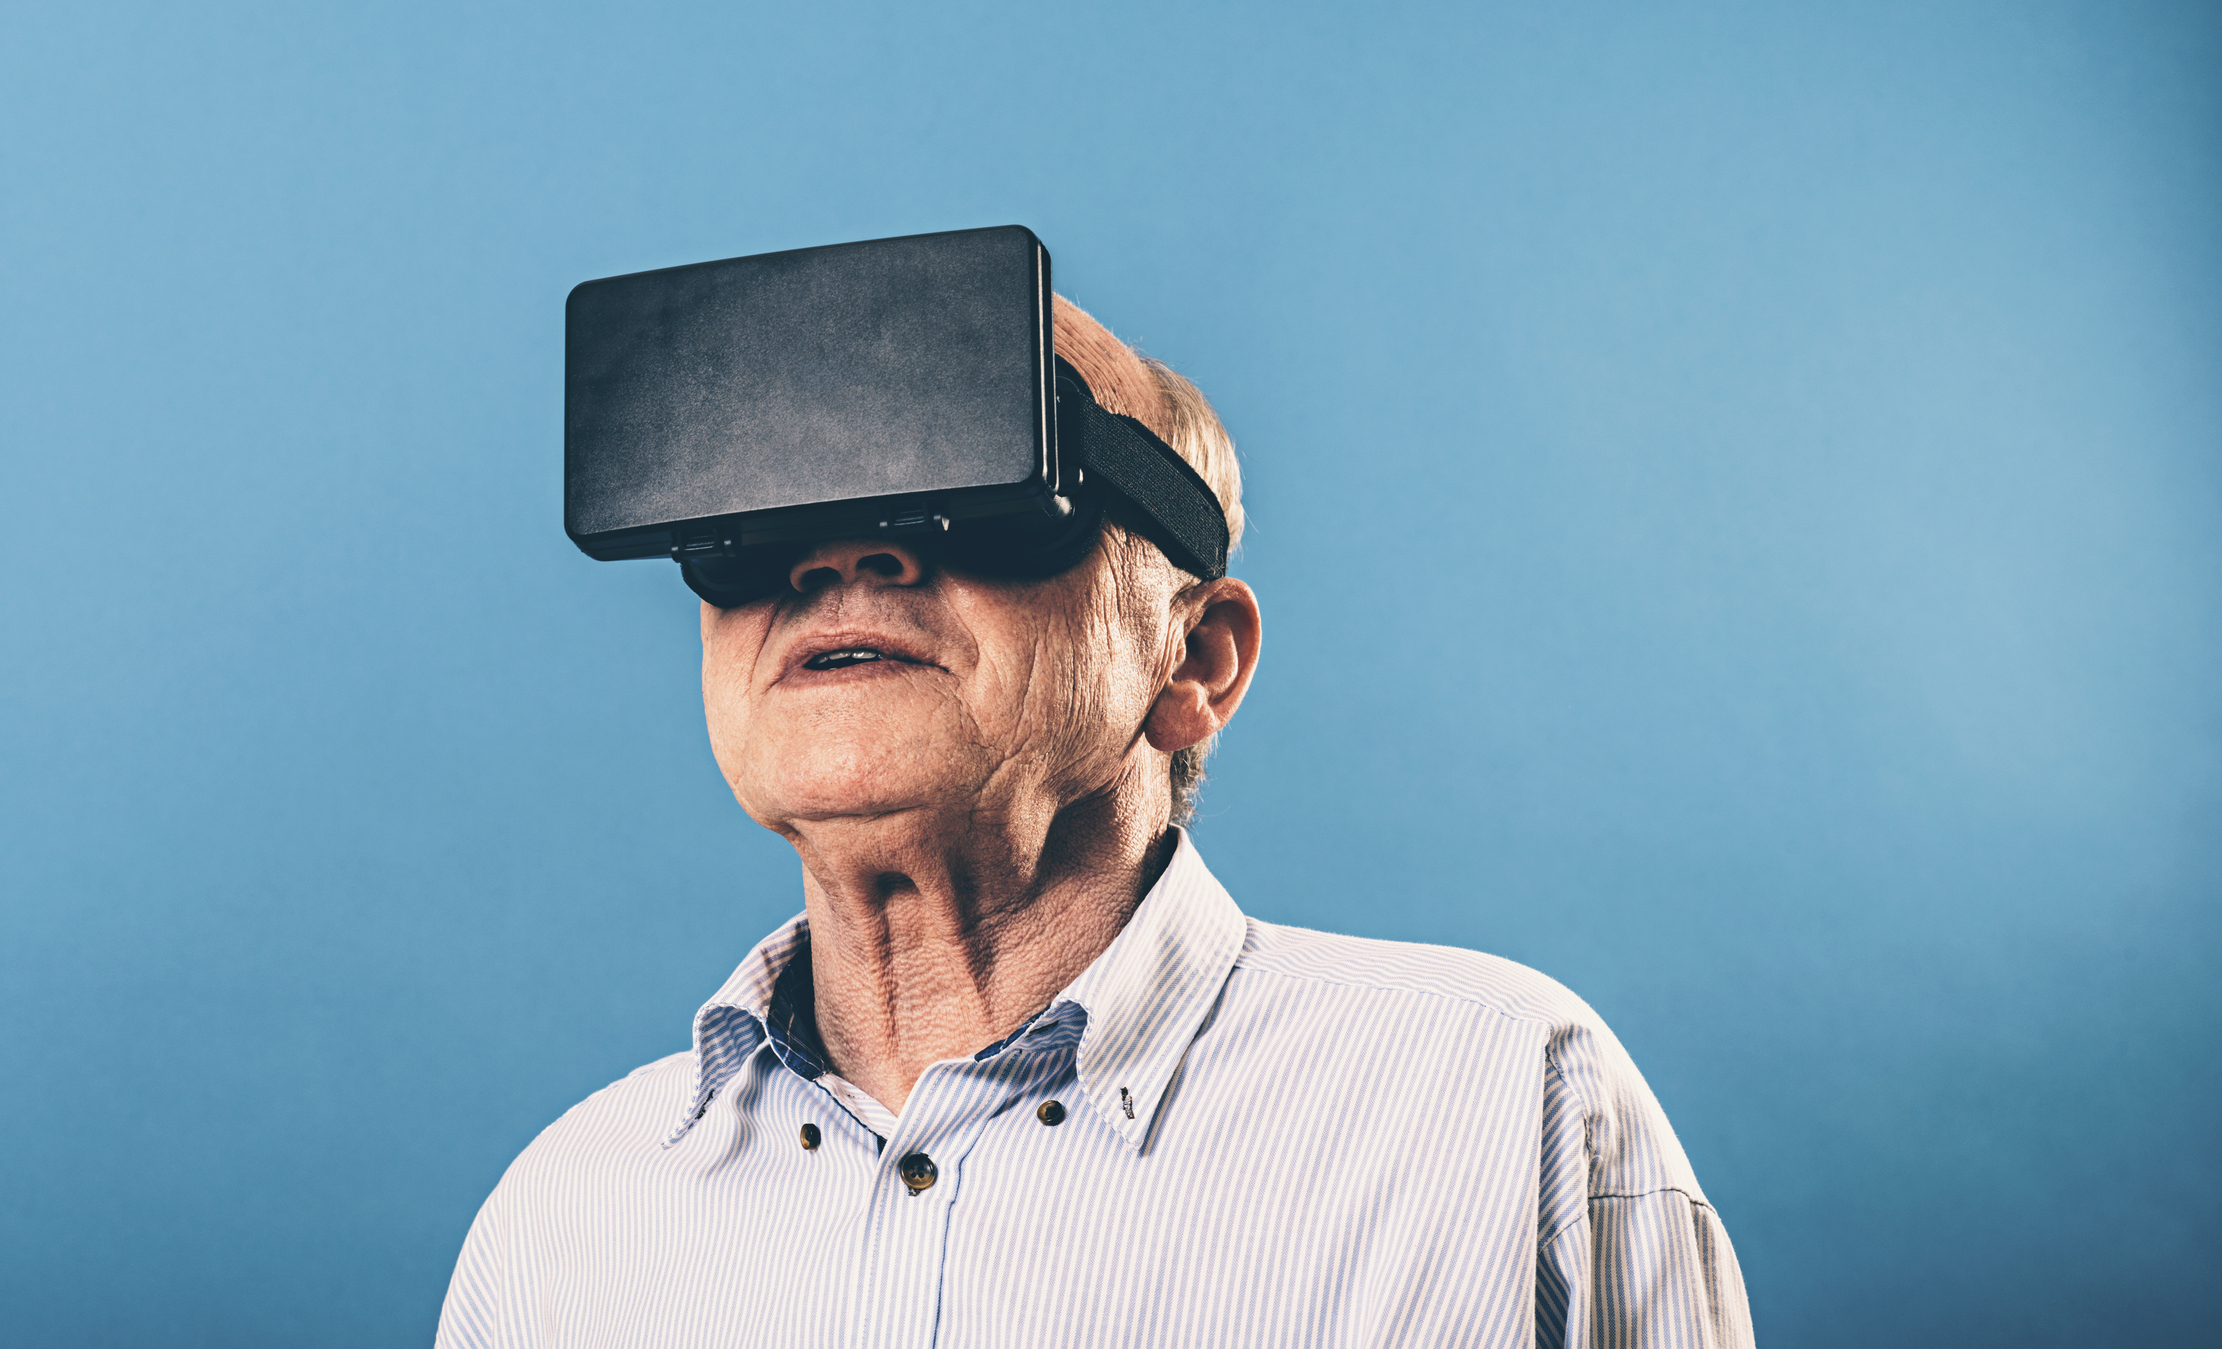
x,y
1144,999
730,1026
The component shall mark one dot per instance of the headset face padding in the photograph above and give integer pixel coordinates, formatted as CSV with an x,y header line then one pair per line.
x,y
754,574
1035,550
1024,548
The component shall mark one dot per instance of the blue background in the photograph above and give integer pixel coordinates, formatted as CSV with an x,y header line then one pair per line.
x,y
1735,490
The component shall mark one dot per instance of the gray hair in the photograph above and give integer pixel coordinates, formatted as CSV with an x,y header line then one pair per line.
x,y
1200,438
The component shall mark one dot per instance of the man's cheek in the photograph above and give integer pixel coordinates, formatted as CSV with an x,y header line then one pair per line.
x,y
725,706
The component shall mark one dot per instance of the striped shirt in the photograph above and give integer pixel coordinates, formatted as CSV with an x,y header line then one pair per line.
x,y
1224,1132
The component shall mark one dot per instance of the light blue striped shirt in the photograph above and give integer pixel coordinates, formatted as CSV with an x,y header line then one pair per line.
x,y
1264,1136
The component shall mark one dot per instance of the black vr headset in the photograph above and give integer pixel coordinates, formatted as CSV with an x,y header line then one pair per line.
x,y
731,414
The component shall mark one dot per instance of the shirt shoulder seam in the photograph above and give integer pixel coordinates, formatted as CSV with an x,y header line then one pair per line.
x,y
1695,1201
1589,1148
1590,1109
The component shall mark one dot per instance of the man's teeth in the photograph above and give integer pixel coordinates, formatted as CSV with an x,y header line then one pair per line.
x,y
835,660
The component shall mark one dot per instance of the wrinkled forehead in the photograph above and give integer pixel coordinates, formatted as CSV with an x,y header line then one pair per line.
x,y
1115,375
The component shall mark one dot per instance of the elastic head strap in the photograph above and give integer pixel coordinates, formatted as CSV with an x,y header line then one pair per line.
x,y
1121,453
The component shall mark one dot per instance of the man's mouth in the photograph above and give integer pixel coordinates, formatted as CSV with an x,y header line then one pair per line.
x,y
852,655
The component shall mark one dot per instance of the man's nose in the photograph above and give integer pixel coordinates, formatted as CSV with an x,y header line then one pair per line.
x,y
848,561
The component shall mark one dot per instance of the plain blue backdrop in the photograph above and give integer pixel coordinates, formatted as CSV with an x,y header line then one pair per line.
x,y
1735,495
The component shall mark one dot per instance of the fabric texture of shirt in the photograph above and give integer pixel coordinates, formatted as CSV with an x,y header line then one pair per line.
x,y
1264,1136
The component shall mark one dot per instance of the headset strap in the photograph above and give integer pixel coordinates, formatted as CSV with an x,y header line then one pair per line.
x,y
1121,453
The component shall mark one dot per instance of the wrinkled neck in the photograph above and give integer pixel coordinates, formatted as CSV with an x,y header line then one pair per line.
x,y
932,937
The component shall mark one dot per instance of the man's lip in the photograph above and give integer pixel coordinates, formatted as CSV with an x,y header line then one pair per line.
x,y
848,656
810,648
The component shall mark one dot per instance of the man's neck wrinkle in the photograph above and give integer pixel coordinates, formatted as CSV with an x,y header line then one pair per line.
x,y
930,946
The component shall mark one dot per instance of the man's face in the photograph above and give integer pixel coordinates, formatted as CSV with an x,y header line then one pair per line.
x,y
879,683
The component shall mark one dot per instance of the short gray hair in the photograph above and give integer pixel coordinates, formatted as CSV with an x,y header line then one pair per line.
x,y
1200,438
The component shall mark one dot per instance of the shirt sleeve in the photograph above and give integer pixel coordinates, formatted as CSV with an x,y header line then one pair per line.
x,y
1630,1254
469,1317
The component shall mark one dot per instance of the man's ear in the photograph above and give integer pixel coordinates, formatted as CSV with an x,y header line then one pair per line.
x,y
1214,671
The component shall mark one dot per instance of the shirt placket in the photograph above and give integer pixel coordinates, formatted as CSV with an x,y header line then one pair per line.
x,y
897,1300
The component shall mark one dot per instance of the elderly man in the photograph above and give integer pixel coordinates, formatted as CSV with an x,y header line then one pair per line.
x,y
1023,1074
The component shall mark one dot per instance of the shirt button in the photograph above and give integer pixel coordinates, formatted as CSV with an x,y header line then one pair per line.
x,y
1051,1114
811,1137
918,1172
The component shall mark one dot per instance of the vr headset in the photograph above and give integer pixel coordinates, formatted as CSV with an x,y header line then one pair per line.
x,y
729,415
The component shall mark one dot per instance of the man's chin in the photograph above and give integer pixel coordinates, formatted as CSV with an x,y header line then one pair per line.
x,y
861,796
